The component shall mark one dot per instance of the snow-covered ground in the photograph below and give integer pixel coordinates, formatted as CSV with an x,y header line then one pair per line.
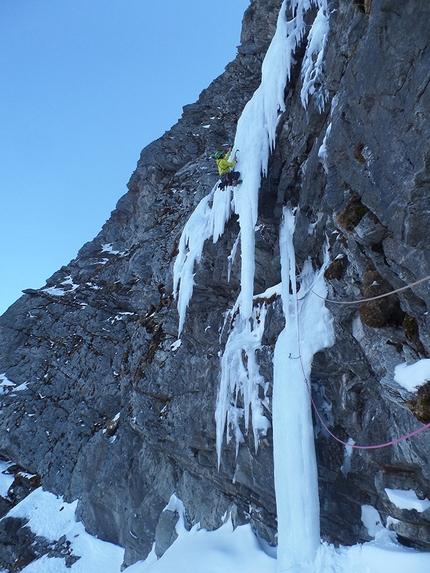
x,y
222,551
50,517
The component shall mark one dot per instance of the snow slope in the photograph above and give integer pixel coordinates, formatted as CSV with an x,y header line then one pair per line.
x,y
222,551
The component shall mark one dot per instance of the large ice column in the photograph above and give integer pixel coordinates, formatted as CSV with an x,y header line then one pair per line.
x,y
308,329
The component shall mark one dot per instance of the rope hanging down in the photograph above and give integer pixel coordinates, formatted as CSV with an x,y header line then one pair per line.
x,y
358,447
324,425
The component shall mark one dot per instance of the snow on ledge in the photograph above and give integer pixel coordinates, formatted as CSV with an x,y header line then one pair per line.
x,y
407,499
411,376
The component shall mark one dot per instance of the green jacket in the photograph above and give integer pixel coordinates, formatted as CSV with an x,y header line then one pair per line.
x,y
224,165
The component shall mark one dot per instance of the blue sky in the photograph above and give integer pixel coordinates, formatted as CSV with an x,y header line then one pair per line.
x,y
85,85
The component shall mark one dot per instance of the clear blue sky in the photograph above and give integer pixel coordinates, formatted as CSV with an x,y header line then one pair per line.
x,y
84,86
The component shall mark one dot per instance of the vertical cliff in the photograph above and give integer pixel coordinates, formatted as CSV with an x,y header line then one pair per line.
x,y
102,403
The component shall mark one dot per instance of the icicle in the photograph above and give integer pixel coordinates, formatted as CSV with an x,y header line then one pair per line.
x,y
313,60
240,381
255,138
207,220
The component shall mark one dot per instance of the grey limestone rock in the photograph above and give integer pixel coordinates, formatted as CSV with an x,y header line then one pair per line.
x,y
114,414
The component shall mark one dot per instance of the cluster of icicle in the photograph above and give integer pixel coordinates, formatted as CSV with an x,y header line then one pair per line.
x,y
241,384
255,137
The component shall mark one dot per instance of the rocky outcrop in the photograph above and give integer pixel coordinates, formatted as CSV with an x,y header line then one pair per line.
x,y
107,408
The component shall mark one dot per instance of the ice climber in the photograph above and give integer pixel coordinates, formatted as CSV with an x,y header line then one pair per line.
x,y
228,177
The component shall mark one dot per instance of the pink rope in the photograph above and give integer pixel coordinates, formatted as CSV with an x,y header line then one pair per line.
x,y
324,425
374,447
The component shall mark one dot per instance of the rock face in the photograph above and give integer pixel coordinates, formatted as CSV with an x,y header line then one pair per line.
x,y
107,409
